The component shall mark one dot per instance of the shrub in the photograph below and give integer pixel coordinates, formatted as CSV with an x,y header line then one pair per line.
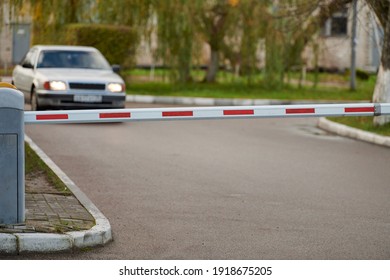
x,y
116,43
360,74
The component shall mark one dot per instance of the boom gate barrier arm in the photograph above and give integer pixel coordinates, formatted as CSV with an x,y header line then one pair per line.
x,y
203,113
13,119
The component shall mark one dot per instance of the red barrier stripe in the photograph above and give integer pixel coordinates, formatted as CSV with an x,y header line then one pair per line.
x,y
178,114
238,112
52,117
359,109
114,115
301,111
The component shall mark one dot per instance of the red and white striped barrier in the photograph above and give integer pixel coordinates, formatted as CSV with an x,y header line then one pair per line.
x,y
199,113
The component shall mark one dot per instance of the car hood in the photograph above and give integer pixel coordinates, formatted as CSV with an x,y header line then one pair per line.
x,y
79,75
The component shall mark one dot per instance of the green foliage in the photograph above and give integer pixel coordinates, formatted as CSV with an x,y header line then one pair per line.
x,y
135,14
175,38
176,31
50,16
244,37
274,71
132,13
360,74
115,42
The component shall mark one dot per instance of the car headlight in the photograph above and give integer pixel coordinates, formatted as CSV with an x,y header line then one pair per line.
x,y
55,85
116,87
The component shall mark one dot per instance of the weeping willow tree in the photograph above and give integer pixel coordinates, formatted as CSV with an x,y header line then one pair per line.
x,y
176,37
168,21
135,14
231,29
211,19
274,48
287,35
293,25
181,27
181,34
244,36
132,13
253,16
50,16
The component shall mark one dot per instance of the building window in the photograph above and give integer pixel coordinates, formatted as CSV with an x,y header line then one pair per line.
x,y
337,24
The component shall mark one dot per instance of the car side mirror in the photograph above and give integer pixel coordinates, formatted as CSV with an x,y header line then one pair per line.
x,y
27,65
116,68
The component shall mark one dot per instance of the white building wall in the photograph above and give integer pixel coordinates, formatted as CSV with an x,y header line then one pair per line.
x,y
335,51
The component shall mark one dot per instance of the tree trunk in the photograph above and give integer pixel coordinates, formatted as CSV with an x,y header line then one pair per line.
x,y
215,30
382,87
213,67
382,93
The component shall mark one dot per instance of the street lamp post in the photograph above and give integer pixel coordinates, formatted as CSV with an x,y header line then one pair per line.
x,y
353,46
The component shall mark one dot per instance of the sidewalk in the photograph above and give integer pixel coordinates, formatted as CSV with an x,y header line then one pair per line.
x,y
55,221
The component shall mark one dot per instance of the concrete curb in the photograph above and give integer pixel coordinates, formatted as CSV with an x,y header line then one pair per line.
x,y
344,130
100,234
201,101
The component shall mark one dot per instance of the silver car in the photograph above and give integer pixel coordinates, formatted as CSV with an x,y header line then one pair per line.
x,y
68,77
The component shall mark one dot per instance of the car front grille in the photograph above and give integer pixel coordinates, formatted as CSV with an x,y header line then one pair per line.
x,y
87,86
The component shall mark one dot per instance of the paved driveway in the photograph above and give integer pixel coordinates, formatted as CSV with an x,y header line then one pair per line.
x,y
227,189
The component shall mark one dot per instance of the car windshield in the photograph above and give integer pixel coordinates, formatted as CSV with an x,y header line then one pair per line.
x,y
71,59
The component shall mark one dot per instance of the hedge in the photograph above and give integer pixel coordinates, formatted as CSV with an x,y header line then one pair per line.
x,y
116,43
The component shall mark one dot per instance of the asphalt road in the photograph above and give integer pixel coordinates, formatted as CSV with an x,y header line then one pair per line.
x,y
227,189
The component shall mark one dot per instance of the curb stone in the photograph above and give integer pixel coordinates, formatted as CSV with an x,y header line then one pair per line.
x,y
98,235
8,243
350,132
43,242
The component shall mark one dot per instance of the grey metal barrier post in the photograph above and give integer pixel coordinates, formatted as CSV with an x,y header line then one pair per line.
x,y
12,196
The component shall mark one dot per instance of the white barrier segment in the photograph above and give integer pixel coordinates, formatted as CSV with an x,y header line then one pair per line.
x,y
193,113
384,108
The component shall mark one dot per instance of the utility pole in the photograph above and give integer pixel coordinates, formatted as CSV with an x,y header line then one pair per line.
x,y
353,46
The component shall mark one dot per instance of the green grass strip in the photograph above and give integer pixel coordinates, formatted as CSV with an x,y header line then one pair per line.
x,y
34,164
363,123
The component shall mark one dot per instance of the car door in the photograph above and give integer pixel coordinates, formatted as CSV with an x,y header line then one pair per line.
x,y
24,73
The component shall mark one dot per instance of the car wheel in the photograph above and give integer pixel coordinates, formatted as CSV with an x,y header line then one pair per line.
x,y
34,101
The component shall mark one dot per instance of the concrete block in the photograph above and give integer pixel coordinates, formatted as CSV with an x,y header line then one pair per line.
x,y
44,242
8,243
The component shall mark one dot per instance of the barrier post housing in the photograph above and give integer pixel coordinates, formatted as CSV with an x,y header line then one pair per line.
x,y
12,192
